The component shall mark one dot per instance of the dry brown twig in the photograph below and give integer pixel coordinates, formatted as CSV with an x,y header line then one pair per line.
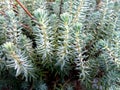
x,y
28,13
25,9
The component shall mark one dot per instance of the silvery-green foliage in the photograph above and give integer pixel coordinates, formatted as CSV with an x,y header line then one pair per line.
x,y
18,60
2,30
43,34
41,86
25,43
11,25
65,40
2,60
16,55
65,36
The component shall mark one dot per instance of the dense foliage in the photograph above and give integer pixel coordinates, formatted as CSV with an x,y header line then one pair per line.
x,y
59,45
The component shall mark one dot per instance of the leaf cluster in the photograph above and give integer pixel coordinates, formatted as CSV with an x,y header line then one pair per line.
x,y
60,45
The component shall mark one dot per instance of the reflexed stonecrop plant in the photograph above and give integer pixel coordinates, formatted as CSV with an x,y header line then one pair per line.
x,y
59,44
